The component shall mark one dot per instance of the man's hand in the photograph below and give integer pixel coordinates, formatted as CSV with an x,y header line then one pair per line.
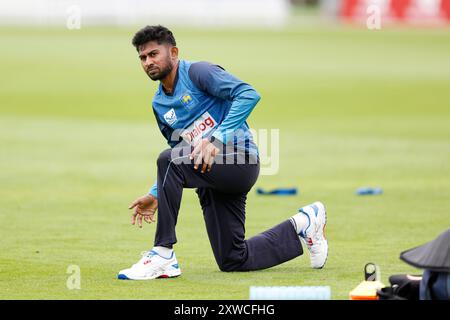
x,y
144,207
203,154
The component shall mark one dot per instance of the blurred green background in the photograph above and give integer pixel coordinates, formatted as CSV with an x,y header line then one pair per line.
x,y
78,143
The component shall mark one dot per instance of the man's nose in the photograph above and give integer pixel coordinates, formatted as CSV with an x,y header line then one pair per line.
x,y
148,62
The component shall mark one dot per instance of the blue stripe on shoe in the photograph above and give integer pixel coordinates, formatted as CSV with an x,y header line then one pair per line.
x,y
302,233
122,277
154,253
316,209
176,266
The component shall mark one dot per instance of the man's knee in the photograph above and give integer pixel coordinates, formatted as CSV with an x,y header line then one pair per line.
x,y
228,268
164,158
231,262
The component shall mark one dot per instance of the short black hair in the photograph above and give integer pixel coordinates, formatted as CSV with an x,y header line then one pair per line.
x,y
157,33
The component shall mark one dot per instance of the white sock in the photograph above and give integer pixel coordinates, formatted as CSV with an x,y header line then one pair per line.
x,y
163,251
300,222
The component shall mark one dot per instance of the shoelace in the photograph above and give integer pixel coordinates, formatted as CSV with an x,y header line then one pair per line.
x,y
144,256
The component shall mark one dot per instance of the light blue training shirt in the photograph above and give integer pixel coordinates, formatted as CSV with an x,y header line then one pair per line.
x,y
207,101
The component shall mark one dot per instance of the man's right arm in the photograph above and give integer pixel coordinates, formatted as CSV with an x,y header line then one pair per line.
x,y
166,131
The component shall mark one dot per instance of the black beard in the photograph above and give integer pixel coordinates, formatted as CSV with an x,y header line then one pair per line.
x,y
164,73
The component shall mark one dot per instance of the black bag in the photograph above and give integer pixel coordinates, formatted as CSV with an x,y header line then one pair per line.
x,y
403,287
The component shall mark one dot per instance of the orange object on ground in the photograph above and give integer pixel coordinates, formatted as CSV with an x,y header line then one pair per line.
x,y
366,290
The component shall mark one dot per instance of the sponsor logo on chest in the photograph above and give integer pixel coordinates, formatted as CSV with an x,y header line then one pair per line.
x,y
199,128
170,116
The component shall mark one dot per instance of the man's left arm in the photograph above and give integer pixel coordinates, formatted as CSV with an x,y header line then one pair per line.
x,y
217,82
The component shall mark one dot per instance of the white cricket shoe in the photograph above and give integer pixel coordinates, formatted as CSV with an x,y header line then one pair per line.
x,y
314,234
152,266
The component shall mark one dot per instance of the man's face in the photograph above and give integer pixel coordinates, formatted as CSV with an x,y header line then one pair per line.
x,y
157,59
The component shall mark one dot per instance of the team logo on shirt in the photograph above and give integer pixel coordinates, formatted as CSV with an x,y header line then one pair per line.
x,y
187,100
170,117
199,128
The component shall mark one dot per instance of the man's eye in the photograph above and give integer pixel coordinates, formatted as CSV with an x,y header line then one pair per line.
x,y
153,54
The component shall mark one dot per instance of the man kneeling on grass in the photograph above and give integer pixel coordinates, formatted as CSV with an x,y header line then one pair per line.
x,y
201,110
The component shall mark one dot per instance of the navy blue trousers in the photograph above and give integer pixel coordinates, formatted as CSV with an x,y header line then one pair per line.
x,y
222,193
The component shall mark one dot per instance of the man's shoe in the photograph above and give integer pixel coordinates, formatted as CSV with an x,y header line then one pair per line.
x,y
314,234
152,266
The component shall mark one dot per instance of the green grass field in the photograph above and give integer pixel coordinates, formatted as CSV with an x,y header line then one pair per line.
x,y
78,143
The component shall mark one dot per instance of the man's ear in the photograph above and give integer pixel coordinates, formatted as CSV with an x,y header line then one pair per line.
x,y
174,52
